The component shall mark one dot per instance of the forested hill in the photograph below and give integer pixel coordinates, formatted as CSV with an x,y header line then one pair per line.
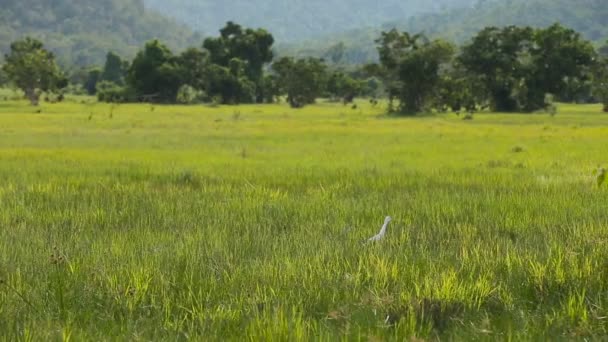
x,y
293,20
81,32
590,17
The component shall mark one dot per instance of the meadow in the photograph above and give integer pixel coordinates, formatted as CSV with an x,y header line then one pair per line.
x,y
149,222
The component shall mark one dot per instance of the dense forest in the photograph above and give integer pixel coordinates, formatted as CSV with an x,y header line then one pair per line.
x,y
81,32
297,20
589,17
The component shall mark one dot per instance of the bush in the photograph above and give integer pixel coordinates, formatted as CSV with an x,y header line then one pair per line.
x,y
111,92
75,89
189,95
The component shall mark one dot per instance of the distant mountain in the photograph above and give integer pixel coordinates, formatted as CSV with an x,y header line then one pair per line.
x,y
81,32
295,20
590,17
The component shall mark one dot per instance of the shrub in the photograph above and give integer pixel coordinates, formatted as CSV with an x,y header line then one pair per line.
x,y
111,92
189,95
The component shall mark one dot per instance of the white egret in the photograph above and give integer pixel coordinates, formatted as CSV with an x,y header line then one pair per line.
x,y
382,233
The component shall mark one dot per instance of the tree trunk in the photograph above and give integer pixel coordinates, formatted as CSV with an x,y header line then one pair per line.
x,y
33,96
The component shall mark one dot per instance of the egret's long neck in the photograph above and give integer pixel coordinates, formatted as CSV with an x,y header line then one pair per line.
x,y
383,230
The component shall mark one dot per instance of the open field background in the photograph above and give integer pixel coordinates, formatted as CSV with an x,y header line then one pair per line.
x,y
140,222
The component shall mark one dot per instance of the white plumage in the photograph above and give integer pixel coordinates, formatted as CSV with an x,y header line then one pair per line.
x,y
382,233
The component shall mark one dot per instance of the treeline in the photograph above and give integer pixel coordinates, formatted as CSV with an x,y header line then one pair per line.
x,y
236,67
511,69
504,69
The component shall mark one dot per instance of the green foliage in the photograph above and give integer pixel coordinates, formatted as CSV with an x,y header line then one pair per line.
x,y
229,85
251,47
115,69
190,95
562,61
411,67
94,76
3,77
493,57
343,86
194,68
518,66
33,69
302,80
270,88
113,93
155,74
600,82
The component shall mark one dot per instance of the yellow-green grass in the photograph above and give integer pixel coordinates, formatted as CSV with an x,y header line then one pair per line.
x,y
142,222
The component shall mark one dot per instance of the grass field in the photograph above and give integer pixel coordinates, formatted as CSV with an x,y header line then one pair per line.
x,y
140,222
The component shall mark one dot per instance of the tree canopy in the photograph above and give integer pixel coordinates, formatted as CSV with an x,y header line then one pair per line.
x,y
33,69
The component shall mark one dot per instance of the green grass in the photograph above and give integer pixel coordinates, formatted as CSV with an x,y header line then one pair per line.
x,y
140,222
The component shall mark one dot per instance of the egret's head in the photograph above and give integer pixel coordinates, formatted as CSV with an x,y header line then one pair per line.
x,y
388,219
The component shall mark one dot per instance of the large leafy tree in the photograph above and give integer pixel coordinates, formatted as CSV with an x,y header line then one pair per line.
x,y
194,68
561,64
253,47
154,74
229,85
115,69
343,86
499,59
302,80
33,69
518,66
412,66
93,78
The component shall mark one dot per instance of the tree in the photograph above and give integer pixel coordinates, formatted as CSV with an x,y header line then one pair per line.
x,y
155,74
111,92
194,68
115,69
458,91
33,69
343,86
3,77
518,66
412,67
499,59
253,47
270,89
302,80
94,76
561,64
229,85
600,82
